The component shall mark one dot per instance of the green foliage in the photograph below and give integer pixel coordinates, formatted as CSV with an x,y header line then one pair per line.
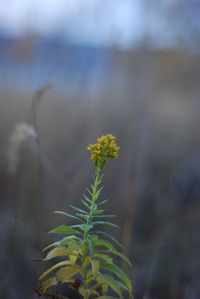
x,y
89,253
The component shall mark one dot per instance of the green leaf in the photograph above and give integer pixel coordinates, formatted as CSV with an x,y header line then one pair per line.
x,y
87,199
92,243
89,192
72,243
105,223
83,292
123,257
78,210
78,226
106,244
85,204
47,284
111,249
95,266
58,251
89,276
93,293
64,229
97,212
74,246
111,237
120,274
116,253
94,237
69,240
82,216
104,290
83,226
65,273
73,257
49,246
66,214
58,265
110,281
86,262
104,216
103,202
96,286
96,195
103,257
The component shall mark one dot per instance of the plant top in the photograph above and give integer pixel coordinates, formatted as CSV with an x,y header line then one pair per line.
x,y
106,147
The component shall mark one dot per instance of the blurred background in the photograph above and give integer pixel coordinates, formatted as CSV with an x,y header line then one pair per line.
x,y
71,70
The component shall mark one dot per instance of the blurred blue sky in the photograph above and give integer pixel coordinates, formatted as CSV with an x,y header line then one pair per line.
x,y
119,23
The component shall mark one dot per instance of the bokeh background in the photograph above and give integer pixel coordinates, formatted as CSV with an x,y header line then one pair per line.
x,y
71,70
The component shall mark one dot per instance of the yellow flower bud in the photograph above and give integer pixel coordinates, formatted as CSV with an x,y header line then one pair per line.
x,y
105,147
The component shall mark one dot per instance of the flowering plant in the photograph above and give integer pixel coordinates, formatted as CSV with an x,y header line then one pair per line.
x,y
89,252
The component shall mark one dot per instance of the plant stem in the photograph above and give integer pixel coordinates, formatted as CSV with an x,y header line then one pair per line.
x,y
94,197
97,182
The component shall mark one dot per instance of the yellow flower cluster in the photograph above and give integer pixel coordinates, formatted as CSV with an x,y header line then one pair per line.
x,y
106,147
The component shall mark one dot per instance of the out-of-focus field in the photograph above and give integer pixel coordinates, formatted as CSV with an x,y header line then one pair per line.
x,y
153,108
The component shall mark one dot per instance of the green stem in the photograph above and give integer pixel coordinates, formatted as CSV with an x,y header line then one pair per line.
x,y
97,182
94,198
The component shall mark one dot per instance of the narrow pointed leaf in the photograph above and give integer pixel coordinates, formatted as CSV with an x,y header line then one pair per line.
x,y
85,204
106,258
104,216
66,214
95,266
67,272
64,229
71,243
47,284
105,223
49,246
58,265
103,202
69,239
82,216
89,192
116,253
58,251
87,199
97,193
120,274
83,226
109,280
104,243
98,212
111,237
78,210
92,245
